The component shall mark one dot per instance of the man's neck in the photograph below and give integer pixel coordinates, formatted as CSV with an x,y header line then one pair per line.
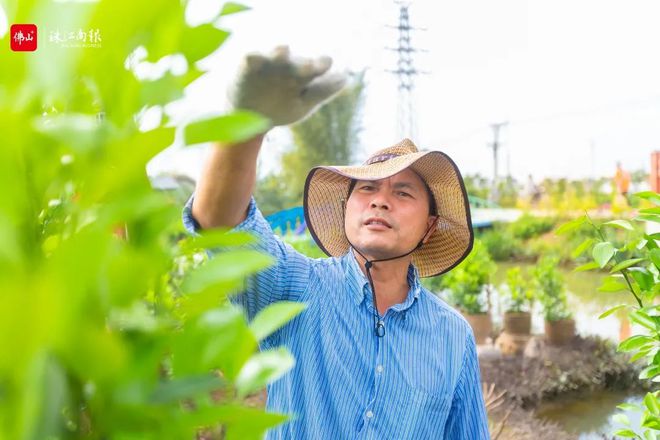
x,y
390,280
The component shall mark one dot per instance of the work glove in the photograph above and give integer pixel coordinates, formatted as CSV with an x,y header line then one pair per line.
x,y
282,88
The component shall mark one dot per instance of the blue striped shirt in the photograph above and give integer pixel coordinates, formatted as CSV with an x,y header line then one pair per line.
x,y
420,381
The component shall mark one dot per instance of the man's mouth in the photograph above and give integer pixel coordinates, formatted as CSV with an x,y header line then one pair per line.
x,y
373,221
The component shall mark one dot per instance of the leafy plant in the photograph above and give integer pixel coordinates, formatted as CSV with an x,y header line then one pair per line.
x,y
528,226
109,326
507,192
501,243
536,247
477,185
466,282
519,296
633,266
550,289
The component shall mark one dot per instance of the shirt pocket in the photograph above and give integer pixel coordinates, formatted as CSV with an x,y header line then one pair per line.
x,y
423,415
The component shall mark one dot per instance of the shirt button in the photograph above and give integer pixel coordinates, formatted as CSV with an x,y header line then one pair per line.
x,y
379,369
370,414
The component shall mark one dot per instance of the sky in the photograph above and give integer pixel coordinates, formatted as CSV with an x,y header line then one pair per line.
x,y
577,81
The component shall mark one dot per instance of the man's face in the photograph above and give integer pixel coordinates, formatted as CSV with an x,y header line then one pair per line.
x,y
388,217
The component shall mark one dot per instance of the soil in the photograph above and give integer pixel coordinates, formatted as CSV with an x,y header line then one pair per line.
x,y
543,373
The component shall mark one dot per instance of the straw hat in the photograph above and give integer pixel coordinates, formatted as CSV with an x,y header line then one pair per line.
x,y
326,190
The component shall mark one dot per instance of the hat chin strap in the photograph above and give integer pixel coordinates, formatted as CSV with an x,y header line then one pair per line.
x,y
379,325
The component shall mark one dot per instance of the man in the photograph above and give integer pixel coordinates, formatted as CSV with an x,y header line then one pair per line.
x,y
378,356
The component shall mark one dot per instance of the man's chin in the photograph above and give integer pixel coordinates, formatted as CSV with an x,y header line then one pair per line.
x,y
374,252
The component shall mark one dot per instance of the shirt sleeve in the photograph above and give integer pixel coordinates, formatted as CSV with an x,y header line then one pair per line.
x,y
467,417
286,279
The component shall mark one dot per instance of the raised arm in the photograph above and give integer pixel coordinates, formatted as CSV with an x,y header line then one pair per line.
x,y
226,184
285,90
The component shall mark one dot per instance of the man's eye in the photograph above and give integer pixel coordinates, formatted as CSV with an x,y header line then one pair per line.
x,y
405,194
367,187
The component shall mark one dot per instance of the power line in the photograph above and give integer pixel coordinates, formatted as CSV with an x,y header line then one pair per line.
x,y
517,122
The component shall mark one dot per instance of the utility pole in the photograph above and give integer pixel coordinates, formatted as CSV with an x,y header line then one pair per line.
x,y
405,72
494,194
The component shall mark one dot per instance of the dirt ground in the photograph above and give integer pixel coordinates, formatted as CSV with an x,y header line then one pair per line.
x,y
544,373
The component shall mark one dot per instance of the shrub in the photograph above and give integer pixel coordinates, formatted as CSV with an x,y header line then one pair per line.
x,y
466,281
501,244
519,296
528,226
109,328
537,247
550,289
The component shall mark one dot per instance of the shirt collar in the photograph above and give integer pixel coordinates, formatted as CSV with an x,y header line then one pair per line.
x,y
359,289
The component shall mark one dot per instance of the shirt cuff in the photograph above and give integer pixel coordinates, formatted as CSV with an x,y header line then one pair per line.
x,y
192,225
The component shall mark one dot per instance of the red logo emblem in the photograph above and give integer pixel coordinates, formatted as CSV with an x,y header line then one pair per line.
x,y
23,37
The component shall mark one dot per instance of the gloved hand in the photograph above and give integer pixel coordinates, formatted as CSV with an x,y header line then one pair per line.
x,y
282,88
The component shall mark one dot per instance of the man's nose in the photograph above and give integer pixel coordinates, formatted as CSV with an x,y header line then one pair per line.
x,y
380,201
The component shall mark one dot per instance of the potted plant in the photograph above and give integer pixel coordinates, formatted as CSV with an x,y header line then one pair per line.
x,y
466,285
559,325
518,301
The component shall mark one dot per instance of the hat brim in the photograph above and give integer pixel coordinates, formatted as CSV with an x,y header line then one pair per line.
x,y
326,191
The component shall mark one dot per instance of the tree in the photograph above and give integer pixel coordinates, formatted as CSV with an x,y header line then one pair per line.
x,y
476,185
273,194
507,189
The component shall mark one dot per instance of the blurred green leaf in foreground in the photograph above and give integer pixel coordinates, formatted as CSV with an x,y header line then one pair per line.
x,y
111,326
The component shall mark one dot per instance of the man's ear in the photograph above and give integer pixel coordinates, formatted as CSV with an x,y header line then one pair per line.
x,y
433,223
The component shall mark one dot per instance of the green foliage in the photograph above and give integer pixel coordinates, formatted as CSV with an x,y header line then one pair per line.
x,y
501,243
272,194
466,282
528,226
109,328
239,126
520,295
536,247
477,185
507,192
526,239
634,265
519,240
563,195
550,289
511,241
575,240
329,136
